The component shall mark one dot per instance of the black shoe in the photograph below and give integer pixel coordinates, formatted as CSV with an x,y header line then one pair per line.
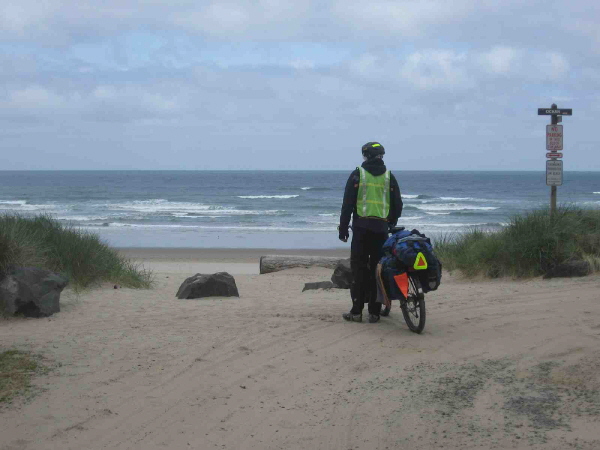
x,y
373,318
352,317
385,311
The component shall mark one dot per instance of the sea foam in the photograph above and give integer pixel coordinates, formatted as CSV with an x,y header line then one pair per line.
x,y
453,207
268,196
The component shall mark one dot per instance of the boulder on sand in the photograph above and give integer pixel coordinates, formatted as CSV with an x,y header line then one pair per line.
x,y
220,284
342,275
572,268
31,291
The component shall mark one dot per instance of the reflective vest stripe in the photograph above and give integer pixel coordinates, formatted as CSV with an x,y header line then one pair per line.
x,y
386,191
363,176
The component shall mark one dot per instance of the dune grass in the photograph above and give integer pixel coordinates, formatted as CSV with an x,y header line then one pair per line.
x,y
529,246
42,241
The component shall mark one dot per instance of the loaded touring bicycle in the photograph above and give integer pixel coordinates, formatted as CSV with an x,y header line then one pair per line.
x,y
408,270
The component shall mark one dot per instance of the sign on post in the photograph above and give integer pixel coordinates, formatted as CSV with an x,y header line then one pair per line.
x,y
554,143
554,172
554,138
555,111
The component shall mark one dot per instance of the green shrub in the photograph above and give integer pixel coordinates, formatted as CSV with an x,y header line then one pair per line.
x,y
42,241
530,245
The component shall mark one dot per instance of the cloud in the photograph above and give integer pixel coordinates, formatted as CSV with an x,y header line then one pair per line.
x,y
227,18
425,70
17,18
501,60
65,21
274,74
435,69
399,17
34,97
104,103
302,64
525,64
370,66
551,65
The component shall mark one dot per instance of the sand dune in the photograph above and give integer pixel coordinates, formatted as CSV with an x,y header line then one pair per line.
x,y
501,364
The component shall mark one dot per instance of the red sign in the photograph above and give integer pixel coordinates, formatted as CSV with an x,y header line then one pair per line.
x,y
554,155
554,137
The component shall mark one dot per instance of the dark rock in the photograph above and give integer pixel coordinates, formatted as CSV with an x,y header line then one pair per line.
x,y
342,275
574,268
31,291
318,285
220,284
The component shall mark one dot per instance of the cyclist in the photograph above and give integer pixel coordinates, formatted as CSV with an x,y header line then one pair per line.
x,y
372,197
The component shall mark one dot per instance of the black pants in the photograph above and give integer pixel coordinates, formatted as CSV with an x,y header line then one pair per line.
x,y
364,256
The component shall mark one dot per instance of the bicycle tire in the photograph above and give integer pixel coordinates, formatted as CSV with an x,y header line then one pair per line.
x,y
413,308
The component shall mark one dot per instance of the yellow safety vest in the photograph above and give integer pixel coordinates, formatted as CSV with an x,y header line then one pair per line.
x,y
373,194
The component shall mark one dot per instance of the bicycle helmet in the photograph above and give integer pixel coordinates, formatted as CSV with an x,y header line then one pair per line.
x,y
372,149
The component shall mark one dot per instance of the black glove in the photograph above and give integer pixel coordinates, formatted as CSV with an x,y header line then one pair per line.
x,y
343,234
394,228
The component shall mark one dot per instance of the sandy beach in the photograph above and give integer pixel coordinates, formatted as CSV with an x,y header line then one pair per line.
x,y
501,364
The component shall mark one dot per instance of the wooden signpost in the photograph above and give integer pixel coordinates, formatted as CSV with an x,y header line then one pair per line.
x,y
554,146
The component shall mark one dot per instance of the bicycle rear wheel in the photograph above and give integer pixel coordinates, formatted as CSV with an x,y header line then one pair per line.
x,y
413,308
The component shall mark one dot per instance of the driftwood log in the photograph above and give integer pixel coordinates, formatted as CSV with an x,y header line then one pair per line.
x,y
275,263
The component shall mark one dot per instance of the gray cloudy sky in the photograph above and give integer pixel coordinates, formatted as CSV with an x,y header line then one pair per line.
x,y
277,84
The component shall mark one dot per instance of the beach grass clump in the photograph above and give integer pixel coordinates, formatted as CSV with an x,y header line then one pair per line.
x,y
42,241
530,245
16,370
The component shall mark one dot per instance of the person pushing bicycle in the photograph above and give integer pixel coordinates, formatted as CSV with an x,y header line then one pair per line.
x,y
372,198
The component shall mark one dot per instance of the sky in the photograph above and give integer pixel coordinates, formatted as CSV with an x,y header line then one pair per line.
x,y
276,84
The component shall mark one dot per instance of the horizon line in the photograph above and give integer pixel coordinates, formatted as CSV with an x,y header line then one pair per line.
x,y
282,170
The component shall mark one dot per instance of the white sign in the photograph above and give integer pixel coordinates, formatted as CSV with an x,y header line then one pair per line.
x,y
554,137
554,172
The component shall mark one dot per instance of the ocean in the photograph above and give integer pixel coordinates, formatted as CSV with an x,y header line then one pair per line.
x,y
270,209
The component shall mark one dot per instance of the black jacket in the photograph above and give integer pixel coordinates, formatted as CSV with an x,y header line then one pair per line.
x,y
376,167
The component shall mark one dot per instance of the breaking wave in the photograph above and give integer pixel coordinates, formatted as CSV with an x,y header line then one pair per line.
x,y
454,207
456,198
13,202
268,196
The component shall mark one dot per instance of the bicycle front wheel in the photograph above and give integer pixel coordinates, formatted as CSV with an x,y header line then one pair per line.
x,y
413,308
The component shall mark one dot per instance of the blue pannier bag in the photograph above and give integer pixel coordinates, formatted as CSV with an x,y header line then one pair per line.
x,y
405,246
